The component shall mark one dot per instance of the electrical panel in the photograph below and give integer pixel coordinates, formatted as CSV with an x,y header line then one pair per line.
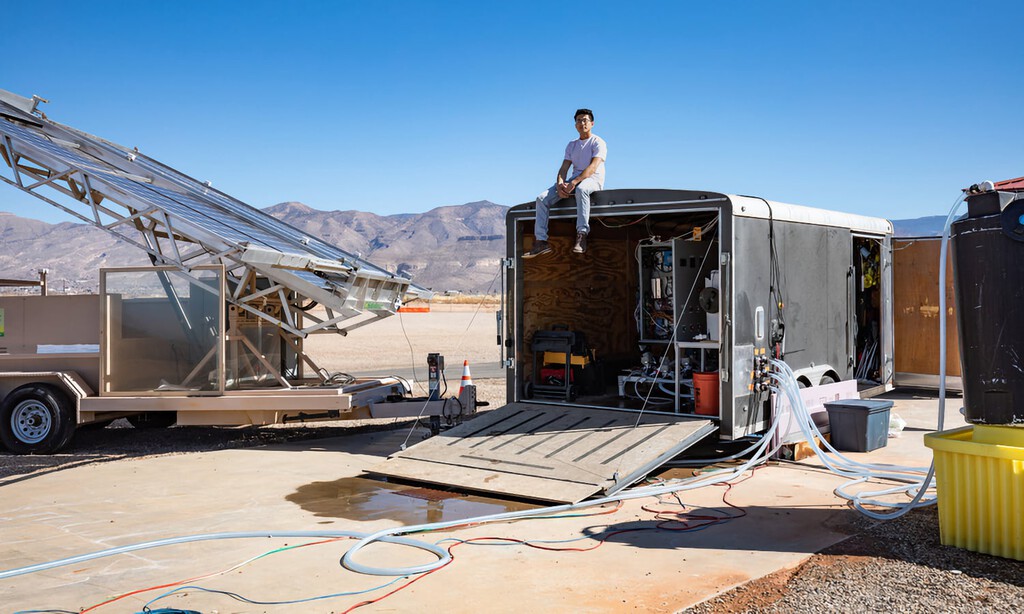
x,y
673,298
657,292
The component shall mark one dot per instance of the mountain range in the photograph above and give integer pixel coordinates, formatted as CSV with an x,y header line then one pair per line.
x,y
447,248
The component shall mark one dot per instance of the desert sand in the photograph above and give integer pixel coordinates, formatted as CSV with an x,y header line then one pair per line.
x,y
400,343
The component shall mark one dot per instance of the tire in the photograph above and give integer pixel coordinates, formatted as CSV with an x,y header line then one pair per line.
x,y
36,419
528,390
154,419
826,379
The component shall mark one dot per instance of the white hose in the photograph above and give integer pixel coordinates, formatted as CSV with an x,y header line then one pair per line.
x,y
348,560
841,465
392,535
862,472
441,553
942,309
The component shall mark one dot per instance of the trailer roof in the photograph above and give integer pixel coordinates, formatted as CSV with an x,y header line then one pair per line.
x,y
742,206
750,206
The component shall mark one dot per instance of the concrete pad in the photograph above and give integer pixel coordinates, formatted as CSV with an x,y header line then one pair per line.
x,y
791,513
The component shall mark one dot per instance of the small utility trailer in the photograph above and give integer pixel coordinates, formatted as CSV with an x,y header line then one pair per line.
x,y
211,333
680,294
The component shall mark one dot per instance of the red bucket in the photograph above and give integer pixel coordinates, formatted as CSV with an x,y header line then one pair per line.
x,y
705,393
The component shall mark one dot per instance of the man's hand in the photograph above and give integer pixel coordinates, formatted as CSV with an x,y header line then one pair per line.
x,y
565,189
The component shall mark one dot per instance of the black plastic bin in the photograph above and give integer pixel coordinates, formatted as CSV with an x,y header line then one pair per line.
x,y
859,425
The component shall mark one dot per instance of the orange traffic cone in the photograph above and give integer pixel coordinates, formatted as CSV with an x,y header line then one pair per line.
x,y
467,379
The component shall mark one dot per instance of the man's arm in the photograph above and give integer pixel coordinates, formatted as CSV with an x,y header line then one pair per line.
x,y
564,188
587,172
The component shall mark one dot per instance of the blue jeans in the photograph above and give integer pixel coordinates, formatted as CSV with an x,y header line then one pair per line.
x,y
550,196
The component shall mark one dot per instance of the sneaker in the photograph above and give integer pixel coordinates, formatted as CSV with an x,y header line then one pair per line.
x,y
581,243
539,248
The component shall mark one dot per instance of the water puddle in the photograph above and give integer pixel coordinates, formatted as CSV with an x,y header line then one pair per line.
x,y
365,499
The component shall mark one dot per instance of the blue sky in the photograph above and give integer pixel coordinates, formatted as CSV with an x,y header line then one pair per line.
x,y
879,107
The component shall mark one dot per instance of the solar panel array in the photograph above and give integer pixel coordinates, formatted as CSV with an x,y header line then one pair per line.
x,y
225,227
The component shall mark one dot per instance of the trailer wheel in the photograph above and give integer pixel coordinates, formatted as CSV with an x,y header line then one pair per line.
x,y
36,419
528,390
826,379
154,419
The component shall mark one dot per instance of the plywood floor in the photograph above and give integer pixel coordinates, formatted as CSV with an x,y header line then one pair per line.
x,y
548,452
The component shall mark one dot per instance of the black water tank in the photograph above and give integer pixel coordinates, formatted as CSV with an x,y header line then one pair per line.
x,y
988,273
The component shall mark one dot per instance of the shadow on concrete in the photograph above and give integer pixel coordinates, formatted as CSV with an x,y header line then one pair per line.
x,y
120,441
752,528
920,394
912,538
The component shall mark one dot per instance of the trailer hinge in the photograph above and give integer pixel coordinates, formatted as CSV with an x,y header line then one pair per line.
x,y
508,263
507,363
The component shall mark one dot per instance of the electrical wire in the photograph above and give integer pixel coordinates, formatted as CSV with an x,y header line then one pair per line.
x,y
20,571
458,346
210,575
238,597
393,535
634,222
543,544
762,450
412,352
350,562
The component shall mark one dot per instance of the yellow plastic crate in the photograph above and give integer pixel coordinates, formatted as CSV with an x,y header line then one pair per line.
x,y
979,473
558,358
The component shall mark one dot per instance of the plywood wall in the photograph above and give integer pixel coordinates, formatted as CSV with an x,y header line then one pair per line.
x,y
916,308
594,293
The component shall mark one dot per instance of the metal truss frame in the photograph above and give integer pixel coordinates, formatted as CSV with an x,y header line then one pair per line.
x,y
175,220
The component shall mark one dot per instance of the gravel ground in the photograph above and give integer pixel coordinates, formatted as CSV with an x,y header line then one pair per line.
x,y
891,566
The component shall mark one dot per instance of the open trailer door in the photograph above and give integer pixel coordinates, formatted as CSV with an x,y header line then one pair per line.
x,y
547,452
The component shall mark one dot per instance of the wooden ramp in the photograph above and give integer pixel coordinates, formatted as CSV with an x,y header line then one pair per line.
x,y
548,452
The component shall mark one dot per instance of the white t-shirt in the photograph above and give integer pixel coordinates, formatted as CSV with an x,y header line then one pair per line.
x,y
581,151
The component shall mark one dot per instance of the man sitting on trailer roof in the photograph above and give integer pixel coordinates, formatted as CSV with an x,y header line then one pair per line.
x,y
586,156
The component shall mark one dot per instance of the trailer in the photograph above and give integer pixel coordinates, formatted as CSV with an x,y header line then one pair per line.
x,y
211,333
667,322
700,278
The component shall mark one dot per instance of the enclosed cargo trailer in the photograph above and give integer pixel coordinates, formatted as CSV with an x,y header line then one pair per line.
x,y
680,290
658,337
